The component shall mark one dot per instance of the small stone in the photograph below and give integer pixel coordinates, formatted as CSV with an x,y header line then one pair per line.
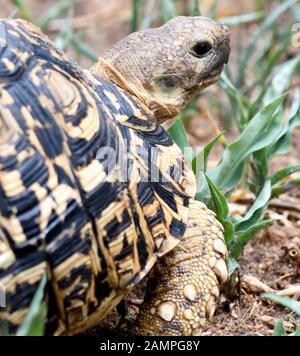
x,y
190,292
166,311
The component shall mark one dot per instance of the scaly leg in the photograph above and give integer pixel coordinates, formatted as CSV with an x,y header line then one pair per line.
x,y
182,293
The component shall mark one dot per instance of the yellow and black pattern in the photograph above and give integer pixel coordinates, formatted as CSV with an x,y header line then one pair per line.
x,y
66,208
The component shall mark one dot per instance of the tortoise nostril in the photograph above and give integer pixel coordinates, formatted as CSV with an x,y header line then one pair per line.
x,y
200,49
224,27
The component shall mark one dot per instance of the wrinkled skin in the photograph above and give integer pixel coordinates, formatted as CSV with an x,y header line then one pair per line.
x,y
166,66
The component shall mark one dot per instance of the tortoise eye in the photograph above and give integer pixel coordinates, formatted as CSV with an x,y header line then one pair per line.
x,y
200,49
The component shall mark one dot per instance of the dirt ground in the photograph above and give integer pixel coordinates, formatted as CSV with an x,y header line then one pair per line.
x,y
268,262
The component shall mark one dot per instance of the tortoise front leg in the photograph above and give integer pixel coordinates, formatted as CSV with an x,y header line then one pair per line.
x,y
183,290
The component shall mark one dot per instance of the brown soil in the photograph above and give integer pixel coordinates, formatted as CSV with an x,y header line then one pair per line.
x,y
265,257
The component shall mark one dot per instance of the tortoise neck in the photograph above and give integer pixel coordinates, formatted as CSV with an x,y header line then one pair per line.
x,y
107,71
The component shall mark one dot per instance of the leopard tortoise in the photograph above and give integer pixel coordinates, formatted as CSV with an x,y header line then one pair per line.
x,y
93,192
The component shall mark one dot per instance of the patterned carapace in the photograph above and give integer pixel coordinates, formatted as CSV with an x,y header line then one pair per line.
x,y
66,208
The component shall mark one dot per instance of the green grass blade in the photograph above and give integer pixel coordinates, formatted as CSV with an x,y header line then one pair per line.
x,y
178,134
260,133
289,303
199,166
259,170
232,266
265,62
279,329
242,19
237,100
267,23
196,8
284,141
64,38
4,328
284,173
212,13
257,210
202,157
281,79
23,8
221,209
84,49
34,321
274,15
13,14
167,10
241,239
149,15
135,15
55,11
285,187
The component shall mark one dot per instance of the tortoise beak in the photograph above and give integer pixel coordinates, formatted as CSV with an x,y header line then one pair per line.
x,y
222,53
223,49
218,60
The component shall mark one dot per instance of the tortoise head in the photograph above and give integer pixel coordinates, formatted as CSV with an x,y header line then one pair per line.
x,y
166,66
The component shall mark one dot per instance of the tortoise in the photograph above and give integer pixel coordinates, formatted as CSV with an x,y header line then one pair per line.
x,y
94,194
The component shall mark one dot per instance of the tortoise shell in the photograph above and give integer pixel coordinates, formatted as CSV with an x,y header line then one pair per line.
x,y
92,189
